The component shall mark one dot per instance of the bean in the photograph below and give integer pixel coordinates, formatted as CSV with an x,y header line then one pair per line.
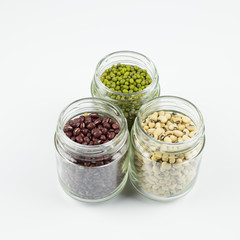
x,y
98,121
177,133
191,127
79,139
163,119
85,131
97,133
100,127
111,121
76,131
69,134
115,126
104,131
105,120
167,140
91,126
94,115
186,119
103,137
111,135
81,118
82,125
88,120
67,128
106,125
86,139
73,139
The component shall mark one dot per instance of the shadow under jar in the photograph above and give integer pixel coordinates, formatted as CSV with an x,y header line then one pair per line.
x,y
150,171
77,165
130,103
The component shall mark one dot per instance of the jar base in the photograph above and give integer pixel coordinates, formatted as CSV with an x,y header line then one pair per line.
x,y
113,194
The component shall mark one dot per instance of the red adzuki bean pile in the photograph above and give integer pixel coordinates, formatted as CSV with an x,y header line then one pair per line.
x,y
91,129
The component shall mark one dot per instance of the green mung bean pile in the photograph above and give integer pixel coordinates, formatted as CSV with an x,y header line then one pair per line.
x,y
126,78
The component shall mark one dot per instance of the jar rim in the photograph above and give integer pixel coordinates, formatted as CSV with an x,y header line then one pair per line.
x,y
98,148
199,134
151,86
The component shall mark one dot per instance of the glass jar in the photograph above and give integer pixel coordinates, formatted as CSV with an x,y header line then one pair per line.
x,y
76,174
159,180
128,102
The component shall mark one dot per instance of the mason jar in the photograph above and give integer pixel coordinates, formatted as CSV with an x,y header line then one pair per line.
x,y
158,179
77,165
128,102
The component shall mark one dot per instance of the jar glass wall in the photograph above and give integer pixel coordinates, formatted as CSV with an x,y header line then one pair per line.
x,y
128,102
77,165
160,180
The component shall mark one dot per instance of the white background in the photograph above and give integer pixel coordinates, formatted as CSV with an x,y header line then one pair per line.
x,y
48,54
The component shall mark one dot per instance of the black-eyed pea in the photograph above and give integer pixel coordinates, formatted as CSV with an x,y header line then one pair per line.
x,y
161,137
155,158
158,125
146,128
164,157
146,168
168,133
179,160
167,140
151,130
185,138
162,125
145,122
158,154
161,113
177,133
189,155
180,140
168,115
155,187
165,166
191,134
155,167
177,119
185,131
163,119
158,131
181,127
172,127
172,160
191,127
151,124
154,117
186,119
173,138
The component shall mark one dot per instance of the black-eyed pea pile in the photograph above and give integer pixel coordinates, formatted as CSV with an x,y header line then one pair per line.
x,y
169,127
160,170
